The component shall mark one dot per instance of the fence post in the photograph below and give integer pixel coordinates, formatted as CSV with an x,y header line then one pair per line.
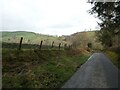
x,y
52,44
65,46
69,46
41,44
20,43
59,45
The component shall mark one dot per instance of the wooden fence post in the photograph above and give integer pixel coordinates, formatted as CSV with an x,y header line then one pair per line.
x,y
52,44
59,45
65,46
69,46
20,43
41,44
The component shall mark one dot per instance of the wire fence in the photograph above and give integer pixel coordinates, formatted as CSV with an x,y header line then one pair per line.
x,y
20,45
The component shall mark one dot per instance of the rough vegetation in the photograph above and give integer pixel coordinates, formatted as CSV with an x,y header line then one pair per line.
x,y
114,56
82,39
39,68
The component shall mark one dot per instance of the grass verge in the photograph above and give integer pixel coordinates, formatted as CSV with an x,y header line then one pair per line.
x,y
114,56
39,69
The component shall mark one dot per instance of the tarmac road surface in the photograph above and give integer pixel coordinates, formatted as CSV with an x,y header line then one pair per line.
x,y
97,72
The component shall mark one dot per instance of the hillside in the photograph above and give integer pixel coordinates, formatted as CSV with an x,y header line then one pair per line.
x,y
81,40
77,40
29,37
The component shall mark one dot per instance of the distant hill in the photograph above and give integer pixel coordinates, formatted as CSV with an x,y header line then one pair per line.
x,y
29,38
79,39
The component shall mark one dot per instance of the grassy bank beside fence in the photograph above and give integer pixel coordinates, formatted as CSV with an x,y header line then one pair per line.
x,y
39,68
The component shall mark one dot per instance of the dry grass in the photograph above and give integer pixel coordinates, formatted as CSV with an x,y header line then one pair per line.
x,y
114,57
39,68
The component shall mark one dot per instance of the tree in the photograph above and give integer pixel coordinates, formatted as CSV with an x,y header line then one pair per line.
x,y
109,14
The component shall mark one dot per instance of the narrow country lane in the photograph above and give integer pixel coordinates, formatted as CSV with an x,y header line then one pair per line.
x,y
97,72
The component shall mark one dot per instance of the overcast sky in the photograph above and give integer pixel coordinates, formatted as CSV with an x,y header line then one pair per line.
x,y
54,17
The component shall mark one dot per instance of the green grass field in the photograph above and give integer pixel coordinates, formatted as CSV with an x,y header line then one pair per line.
x,y
39,68
30,38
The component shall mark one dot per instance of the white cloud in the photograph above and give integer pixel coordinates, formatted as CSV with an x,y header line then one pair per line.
x,y
56,17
